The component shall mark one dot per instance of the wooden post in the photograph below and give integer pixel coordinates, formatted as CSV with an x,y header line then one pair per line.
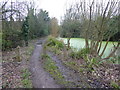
x,y
18,57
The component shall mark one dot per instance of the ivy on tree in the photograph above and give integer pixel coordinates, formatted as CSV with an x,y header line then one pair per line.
x,y
25,31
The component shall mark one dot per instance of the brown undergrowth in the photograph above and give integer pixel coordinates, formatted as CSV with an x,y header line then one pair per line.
x,y
15,69
107,74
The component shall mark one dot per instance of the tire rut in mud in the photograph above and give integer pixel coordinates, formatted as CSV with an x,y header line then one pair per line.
x,y
40,78
76,79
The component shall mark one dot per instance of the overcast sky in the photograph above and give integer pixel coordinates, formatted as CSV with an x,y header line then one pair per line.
x,y
56,8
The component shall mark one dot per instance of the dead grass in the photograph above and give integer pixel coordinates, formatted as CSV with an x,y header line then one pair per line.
x,y
12,75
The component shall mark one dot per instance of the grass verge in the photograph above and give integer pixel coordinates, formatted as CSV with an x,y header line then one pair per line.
x,y
49,66
26,78
19,69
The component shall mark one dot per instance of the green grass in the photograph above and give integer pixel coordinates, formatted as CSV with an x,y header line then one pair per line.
x,y
79,43
115,85
49,66
26,78
30,50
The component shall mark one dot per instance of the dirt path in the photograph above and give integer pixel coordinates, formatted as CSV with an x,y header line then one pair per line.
x,y
40,78
76,79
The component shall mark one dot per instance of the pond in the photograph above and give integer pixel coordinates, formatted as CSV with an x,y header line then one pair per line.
x,y
78,43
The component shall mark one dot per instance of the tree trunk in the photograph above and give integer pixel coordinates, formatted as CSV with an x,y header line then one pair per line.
x,y
86,40
26,43
96,45
99,47
112,53
68,42
104,48
92,47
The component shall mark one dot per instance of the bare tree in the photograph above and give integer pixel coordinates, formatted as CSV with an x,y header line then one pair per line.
x,y
54,27
95,17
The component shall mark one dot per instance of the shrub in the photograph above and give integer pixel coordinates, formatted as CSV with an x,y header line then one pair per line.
x,y
79,54
75,55
51,41
11,39
84,51
45,56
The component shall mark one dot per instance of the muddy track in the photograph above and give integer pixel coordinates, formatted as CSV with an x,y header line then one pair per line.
x,y
40,78
75,79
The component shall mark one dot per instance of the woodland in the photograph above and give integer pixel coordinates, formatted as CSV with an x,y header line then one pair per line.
x,y
82,51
